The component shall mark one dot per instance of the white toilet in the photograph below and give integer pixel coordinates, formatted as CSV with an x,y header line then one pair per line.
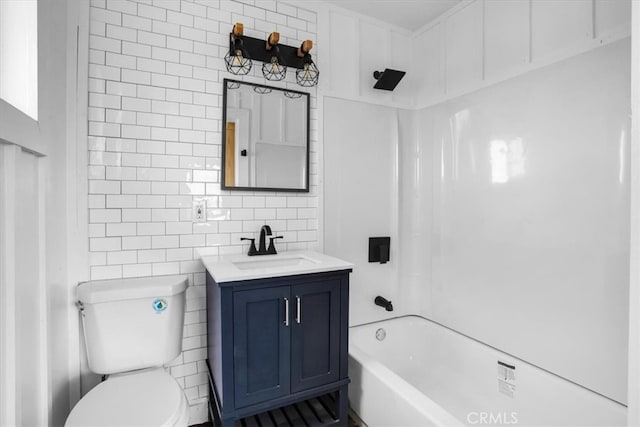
x,y
131,328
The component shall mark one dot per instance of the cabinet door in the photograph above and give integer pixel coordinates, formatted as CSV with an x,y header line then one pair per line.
x,y
261,338
315,344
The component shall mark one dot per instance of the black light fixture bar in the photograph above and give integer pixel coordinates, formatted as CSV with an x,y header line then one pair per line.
x,y
257,51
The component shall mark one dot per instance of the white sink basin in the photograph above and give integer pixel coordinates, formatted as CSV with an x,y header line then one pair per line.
x,y
233,268
264,261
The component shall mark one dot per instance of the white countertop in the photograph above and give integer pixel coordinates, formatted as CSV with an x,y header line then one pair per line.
x,y
233,268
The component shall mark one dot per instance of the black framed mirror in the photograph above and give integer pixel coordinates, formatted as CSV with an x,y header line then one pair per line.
x,y
265,138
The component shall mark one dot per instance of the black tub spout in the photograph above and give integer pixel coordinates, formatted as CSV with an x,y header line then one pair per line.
x,y
383,302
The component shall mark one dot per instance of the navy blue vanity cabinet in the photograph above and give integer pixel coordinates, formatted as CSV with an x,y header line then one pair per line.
x,y
276,341
261,340
315,347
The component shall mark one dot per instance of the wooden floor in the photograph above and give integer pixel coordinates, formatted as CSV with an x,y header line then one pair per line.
x,y
209,424
315,412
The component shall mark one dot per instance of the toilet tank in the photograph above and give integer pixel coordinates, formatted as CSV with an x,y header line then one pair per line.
x,y
132,324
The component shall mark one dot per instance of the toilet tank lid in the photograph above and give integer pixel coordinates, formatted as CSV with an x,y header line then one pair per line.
x,y
97,291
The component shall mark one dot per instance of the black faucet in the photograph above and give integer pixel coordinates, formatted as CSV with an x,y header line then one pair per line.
x,y
262,245
383,302
265,230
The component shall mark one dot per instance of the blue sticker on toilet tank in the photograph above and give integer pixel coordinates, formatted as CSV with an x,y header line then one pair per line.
x,y
159,305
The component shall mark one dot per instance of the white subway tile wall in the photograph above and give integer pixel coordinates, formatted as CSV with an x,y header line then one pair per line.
x,y
155,111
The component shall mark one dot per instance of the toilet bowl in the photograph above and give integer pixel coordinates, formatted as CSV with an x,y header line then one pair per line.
x,y
147,398
132,327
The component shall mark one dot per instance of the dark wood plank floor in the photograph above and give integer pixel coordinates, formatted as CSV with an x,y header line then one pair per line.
x,y
314,412
351,424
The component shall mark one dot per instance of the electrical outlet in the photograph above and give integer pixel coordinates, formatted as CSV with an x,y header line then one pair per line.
x,y
199,211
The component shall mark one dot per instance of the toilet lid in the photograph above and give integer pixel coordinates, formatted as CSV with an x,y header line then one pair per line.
x,y
148,398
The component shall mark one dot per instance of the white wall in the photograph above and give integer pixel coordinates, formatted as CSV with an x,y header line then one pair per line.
x,y
481,42
63,39
23,297
353,47
52,140
31,342
155,109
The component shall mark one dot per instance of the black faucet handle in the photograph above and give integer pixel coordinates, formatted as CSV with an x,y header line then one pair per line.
x,y
272,247
252,248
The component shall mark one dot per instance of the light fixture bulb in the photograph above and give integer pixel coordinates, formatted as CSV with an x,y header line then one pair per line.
x,y
238,58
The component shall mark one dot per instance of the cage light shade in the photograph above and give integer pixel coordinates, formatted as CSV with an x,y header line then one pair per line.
x,y
237,60
309,74
233,85
262,90
274,70
292,95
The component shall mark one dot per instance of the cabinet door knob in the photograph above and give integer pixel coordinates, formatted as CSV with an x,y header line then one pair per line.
x,y
286,311
298,310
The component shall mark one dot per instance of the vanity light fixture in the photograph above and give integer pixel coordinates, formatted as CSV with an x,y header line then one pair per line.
x,y
237,59
309,74
275,56
276,69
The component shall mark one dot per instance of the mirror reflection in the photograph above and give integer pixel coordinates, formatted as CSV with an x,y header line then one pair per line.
x,y
265,141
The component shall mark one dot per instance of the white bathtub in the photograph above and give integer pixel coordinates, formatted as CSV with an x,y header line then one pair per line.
x,y
423,374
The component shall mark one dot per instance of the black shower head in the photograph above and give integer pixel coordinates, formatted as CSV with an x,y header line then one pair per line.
x,y
388,79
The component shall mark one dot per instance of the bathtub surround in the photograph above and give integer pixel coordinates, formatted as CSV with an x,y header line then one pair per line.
x,y
360,145
512,158
634,300
155,99
529,182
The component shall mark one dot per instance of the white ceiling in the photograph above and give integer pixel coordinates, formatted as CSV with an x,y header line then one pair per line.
x,y
409,14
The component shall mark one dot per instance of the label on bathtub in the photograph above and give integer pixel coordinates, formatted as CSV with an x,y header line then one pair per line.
x,y
506,379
